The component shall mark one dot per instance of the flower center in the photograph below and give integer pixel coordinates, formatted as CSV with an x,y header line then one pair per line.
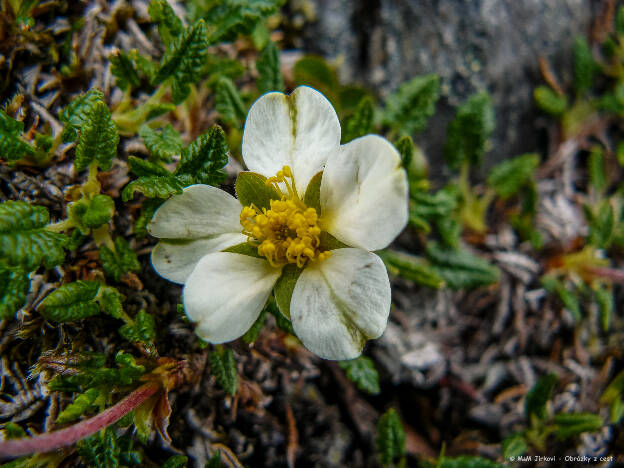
x,y
288,231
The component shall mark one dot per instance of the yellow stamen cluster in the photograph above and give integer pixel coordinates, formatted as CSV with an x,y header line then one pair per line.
x,y
288,231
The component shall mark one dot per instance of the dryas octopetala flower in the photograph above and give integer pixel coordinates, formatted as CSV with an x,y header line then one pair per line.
x,y
307,217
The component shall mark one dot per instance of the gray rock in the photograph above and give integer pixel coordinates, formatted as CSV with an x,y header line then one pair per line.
x,y
473,45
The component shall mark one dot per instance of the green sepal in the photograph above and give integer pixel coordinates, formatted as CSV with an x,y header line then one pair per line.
x,y
409,108
390,439
244,248
161,144
252,334
538,396
223,367
251,188
153,187
312,197
143,330
98,139
169,25
510,176
76,113
362,372
204,158
14,286
284,287
269,69
329,242
228,102
120,261
71,302
24,241
281,321
359,123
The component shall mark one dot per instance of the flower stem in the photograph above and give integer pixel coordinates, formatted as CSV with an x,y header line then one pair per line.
x,y
70,435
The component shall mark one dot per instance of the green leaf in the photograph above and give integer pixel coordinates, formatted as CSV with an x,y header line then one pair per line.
x,y
121,261
223,367
614,390
203,160
467,135
81,404
77,112
313,71
148,209
164,144
143,64
24,242
98,139
14,431
153,187
411,268
105,450
252,334
535,401
390,438
360,123
251,188
570,301
362,372
508,177
228,102
550,101
619,21
90,214
177,461
312,197
573,424
142,168
431,206
409,108
71,302
111,302
583,64
606,303
405,147
467,461
284,287
601,224
460,268
12,144
281,321
269,69
142,330
122,67
514,446
234,17
169,25
214,462
596,169
14,286
183,60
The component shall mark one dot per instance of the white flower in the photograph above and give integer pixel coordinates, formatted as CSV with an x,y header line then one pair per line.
x,y
336,299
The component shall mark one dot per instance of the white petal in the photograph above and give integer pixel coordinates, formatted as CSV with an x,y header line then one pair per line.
x,y
176,259
340,303
364,193
201,211
300,131
226,292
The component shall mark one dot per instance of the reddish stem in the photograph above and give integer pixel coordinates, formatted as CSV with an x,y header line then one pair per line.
x,y
615,275
70,435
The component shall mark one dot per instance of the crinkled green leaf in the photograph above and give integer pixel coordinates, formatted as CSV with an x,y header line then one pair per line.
x,y
460,268
106,450
90,214
409,108
14,431
427,207
314,71
183,60
251,188
606,304
223,367
583,64
141,167
269,69
142,330
535,401
98,139
161,144
121,261
148,208
111,301
203,160
76,113
550,101
412,268
216,67
143,64
177,461
467,135
153,187
228,102
12,144
601,222
508,177
390,439
360,123
514,446
405,147
81,404
573,424
71,302
614,390
14,286
169,25
466,461
123,68
24,242
362,372
596,169
284,287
